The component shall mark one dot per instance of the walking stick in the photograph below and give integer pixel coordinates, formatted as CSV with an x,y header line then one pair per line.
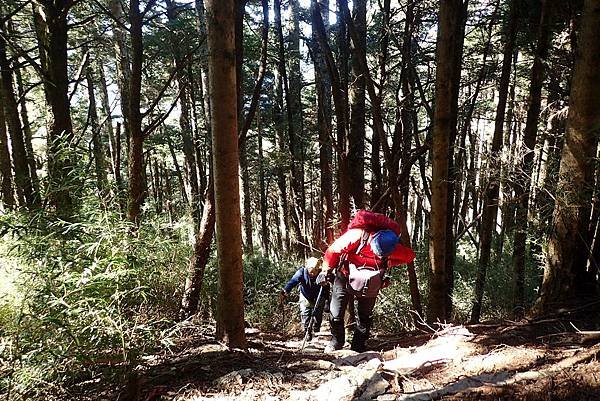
x,y
312,318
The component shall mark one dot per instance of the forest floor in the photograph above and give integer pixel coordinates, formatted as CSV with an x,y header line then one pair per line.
x,y
535,360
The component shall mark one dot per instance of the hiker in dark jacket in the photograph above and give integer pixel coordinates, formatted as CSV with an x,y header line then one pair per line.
x,y
309,291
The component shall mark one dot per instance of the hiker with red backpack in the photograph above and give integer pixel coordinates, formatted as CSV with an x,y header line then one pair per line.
x,y
356,264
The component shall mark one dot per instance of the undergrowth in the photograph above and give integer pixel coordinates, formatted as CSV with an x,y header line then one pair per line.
x,y
86,297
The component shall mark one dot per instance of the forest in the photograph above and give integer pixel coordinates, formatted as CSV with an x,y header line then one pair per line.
x,y
167,165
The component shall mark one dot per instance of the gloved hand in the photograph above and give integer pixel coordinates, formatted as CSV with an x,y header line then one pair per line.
x,y
325,277
282,296
386,282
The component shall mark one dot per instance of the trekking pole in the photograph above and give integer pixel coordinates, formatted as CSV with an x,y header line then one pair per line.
x,y
311,319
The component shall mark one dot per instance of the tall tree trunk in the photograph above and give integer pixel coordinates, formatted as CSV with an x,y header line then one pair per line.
x,y
296,146
97,145
264,223
525,164
8,198
51,26
247,122
185,124
342,116
123,60
197,266
240,8
35,182
323,88
221,50
356,98
444,130
341,107
114,141
135,162
23,183
565,275
377,179
297,187
282,139
492,190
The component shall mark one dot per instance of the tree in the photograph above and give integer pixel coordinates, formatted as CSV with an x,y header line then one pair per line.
x,y
492,191
566,278
323,89
525,162
52,32
221,50
135,160
5,171
23,182
449,44
97,145
356,99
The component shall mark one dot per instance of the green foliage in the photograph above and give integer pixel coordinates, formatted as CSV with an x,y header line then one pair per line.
x,y
263,279
92,294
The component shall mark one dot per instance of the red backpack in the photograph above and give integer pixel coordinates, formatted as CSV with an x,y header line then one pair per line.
x,y
365,282
373,222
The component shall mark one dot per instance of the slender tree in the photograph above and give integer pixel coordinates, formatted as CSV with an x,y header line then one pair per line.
x,y
52,32
323,88
23,183
97,143
135,160
356,99
444,128
221,50
5,169
492,191
525,163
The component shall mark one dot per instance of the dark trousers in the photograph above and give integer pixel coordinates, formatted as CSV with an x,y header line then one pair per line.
x,y
306,309
364,316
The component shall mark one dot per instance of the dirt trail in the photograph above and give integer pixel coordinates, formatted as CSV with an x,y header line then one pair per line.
x,y
480,362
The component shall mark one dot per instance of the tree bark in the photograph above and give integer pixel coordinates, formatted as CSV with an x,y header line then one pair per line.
x,y
97,145
296,146
340,102
185,124
525,164
197,266
23,183
323,88
444,130
492,190
264,223
51,26
8,198
565,275
137,189
221,46
114,141
123,61
35,182
356,99
245,127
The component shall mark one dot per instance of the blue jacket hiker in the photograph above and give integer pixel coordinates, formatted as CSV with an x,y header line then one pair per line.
x,y
306,277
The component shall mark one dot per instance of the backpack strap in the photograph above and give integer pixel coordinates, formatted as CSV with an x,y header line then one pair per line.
x,y
364,238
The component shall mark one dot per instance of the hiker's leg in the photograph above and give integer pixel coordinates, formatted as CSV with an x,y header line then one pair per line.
x,y
363,323
337,308
305,311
